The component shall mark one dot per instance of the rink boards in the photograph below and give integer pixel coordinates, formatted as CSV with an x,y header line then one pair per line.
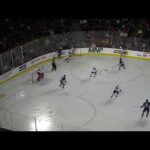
x,y
97,51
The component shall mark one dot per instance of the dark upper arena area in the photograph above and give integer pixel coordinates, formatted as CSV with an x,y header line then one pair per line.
x,y
14,32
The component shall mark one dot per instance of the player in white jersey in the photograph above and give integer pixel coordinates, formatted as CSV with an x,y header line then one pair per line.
x,y
93,72
116,91
67,57
122,51
70,52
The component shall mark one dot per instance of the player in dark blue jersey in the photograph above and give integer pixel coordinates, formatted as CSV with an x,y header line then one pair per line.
x,y
53,64
146,106
121,63
63,81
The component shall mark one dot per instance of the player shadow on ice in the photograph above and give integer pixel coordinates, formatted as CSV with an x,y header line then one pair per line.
x,y
52,91
109,101
43,82
85,80
142,122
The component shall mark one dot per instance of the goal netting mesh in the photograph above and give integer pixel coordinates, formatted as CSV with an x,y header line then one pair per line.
x,y
33,74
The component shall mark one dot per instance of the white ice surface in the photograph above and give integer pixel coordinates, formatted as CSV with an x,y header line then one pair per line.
x,y
84,104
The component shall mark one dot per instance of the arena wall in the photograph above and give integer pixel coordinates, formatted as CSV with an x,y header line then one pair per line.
x,y
98,51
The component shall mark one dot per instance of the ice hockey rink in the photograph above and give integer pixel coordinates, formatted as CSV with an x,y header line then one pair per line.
x,y
84,104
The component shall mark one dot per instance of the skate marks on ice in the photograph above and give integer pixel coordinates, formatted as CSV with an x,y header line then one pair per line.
x,y
111,69
108,75
141,124
45,81
80,75
2,95
112,74
52,91
70,127
138,124
109,101
55,107
42,82
56,90
81,72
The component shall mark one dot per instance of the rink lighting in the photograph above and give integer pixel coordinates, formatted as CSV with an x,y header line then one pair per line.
x,y
22,95
44,124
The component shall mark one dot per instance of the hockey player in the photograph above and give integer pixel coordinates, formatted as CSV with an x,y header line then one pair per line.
x,y
40,75
70,52
67,58
121,63
116,91
122,51
73,51
93,72
59,53
146,106
53,64
63,81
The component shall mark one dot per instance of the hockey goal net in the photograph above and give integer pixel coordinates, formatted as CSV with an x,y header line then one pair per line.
x,y
33,74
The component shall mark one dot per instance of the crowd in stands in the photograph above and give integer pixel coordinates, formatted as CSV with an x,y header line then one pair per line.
x,y
123,26
145,31
61,34
14,32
